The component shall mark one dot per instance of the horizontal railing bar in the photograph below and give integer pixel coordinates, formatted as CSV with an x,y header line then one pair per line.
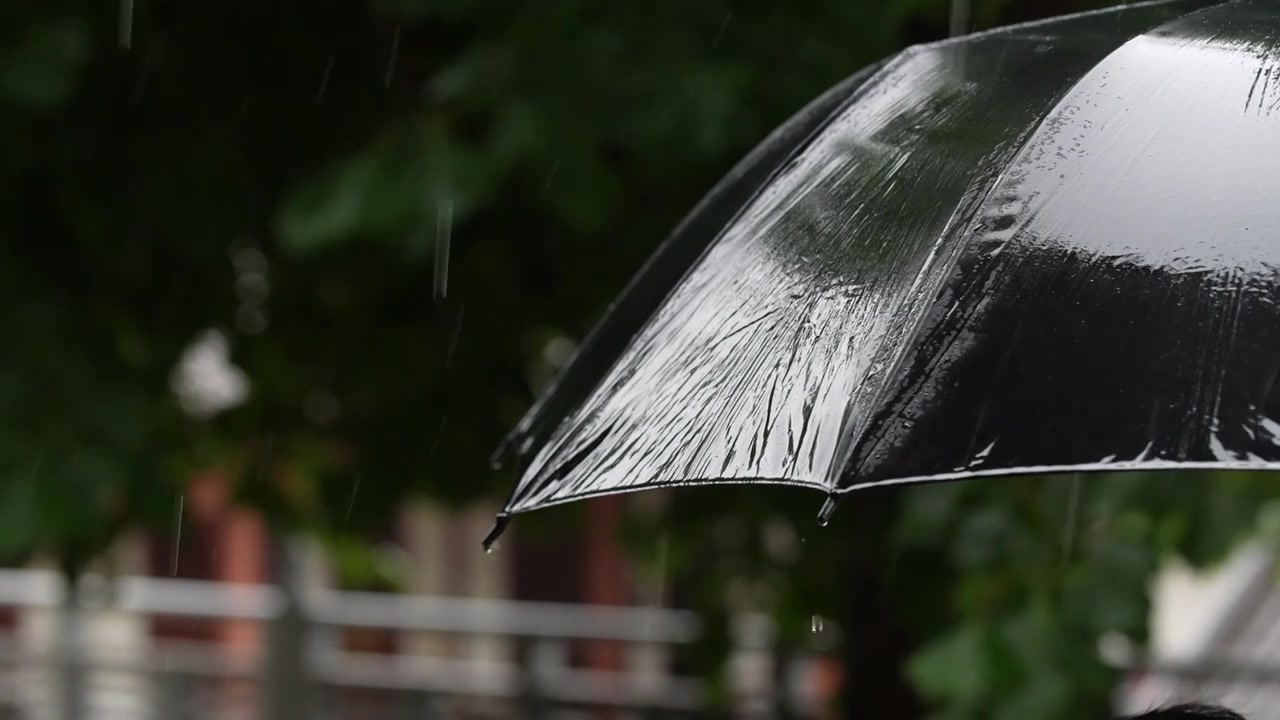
x,y
432,676
31,588
477,616
504,680
1215,668
197,599
201,599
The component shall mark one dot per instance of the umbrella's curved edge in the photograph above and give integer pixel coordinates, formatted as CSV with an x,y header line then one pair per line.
x,y
834,496
766,159
1090,468
504,518
1032,24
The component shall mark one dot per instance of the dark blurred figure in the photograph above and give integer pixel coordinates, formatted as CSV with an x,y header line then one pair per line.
x,y
1189,712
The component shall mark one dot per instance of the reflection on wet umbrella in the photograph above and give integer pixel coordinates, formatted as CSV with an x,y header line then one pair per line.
x,y
1051,247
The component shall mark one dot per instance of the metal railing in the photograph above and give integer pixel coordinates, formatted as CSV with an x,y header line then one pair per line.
x,y
65,671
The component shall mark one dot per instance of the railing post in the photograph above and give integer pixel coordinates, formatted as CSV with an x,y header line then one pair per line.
x,y
422,705
532,699
284,688
783,664
71,666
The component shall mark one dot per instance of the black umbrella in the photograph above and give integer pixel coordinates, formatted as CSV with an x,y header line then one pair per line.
x,y
1050,247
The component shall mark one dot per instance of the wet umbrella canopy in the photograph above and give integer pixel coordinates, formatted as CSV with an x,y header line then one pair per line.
x,y
1050,247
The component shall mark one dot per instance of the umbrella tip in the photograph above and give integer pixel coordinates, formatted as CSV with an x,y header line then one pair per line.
x,y
499,526
828,509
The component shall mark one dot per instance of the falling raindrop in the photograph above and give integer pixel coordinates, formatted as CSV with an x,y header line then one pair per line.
x,y
351,501
324,79
546,184
391,60
659,581
453,337
125,28
444,228
816,624
959,17
177,534
664,551
1069,531
724,25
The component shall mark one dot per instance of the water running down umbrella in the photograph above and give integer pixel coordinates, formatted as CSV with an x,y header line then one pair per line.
x,y
1046,248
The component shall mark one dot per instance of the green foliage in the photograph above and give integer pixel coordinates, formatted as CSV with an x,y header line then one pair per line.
x,y
282,171
41,67
360,566
957,666
1002,589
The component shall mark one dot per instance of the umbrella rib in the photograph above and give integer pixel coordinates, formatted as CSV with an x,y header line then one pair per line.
x,y
774,153
965,219
851,440
747,326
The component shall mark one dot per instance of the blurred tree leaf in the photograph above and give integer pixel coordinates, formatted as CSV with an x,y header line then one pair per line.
x,y
39,70
19,516
953,667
